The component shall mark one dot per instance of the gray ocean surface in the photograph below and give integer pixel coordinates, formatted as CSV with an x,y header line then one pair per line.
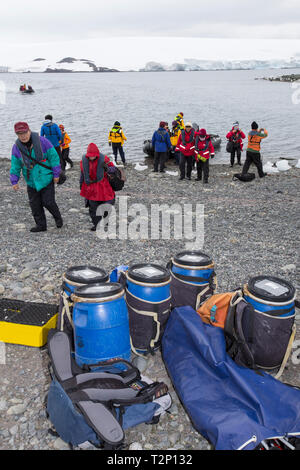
x,y
88,104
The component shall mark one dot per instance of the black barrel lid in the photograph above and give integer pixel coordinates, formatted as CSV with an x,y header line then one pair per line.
x,y
86,275
149,273
192,258
271,288
99,290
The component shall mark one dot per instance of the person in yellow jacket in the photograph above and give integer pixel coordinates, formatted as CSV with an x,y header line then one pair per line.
x,y
175,133
255,137
179,119
65,147
116,139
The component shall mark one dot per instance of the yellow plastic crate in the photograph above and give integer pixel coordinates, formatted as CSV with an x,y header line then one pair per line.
x,y
26,323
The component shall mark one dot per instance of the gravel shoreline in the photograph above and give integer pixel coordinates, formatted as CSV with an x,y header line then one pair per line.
x,y
250,229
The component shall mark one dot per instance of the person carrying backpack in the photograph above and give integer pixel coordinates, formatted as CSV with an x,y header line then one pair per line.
x,y
37,159
94,182
161,144
52,132
253,155
204,150
186,147
235,137
116,139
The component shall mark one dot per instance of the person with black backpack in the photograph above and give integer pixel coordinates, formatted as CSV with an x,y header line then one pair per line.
x,y
162,145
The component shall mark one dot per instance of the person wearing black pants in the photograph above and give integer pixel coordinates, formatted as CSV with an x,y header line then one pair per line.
x,y
93,207
254,158
159,161
202,167
44,199
118,147
65,158
188,162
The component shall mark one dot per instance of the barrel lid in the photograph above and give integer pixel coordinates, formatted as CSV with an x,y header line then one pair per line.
x,y
192,258
99,290
149,273
86,275
271,288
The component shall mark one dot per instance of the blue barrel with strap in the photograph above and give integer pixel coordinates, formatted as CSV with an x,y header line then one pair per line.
x,y
74,277
148,300
193,278
271,329
101,323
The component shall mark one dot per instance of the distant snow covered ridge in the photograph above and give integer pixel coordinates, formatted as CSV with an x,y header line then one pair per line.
x,y
68,64
196,65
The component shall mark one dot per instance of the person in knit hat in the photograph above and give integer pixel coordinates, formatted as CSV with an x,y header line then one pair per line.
x,y
39,163
236,136
116,139
253,155
94,184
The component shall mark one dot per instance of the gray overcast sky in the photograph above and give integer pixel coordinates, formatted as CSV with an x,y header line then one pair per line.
x,y
56,20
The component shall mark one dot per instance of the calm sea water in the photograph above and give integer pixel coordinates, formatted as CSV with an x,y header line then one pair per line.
x,y
89,104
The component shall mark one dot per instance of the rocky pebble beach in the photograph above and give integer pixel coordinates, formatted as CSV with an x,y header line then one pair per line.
x,y
249,229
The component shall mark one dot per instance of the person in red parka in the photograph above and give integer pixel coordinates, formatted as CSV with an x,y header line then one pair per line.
x,y
236,136
94,183
186,147
204,150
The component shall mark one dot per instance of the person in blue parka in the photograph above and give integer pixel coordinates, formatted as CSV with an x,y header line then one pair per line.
x,y
52,132
161,145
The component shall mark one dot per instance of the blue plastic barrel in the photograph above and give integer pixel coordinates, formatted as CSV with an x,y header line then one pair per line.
x,y
193,267
149,282
271,295
101,324
78,276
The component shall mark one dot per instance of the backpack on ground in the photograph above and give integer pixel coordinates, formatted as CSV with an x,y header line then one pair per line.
x,y
253,339
245,177
96,403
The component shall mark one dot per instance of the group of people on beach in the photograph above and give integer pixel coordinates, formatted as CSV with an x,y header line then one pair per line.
x,y
42,159
191,147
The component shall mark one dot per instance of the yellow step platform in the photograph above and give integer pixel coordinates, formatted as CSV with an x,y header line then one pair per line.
x,y
26,323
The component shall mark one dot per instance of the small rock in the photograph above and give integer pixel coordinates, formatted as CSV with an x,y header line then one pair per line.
x,y
17,409
2,289
135,446
25,274
140,363
288,268
59,444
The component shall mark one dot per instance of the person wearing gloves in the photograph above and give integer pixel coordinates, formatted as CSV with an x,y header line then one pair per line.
x,y
236,136
179,119
186,147
204,150
253,155
38,160
116,139
94,184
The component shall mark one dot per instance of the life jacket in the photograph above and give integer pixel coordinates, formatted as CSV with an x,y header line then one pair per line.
x,y
183,135
174,135
254,140
86,169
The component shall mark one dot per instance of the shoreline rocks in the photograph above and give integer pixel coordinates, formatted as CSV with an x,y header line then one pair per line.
x,y
249,229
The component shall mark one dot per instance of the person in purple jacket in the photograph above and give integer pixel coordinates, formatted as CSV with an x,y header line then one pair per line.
x,y
39,163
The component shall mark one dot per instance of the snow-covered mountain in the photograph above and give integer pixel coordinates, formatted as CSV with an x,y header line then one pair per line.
x,y
67,64
195,64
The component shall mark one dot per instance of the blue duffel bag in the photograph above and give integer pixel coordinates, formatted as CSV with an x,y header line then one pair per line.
x,y
232,406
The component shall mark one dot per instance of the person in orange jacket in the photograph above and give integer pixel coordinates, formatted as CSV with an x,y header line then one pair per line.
x,y
65,148
253,155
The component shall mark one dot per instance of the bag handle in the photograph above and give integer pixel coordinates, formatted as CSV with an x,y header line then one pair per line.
x,y
287,353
